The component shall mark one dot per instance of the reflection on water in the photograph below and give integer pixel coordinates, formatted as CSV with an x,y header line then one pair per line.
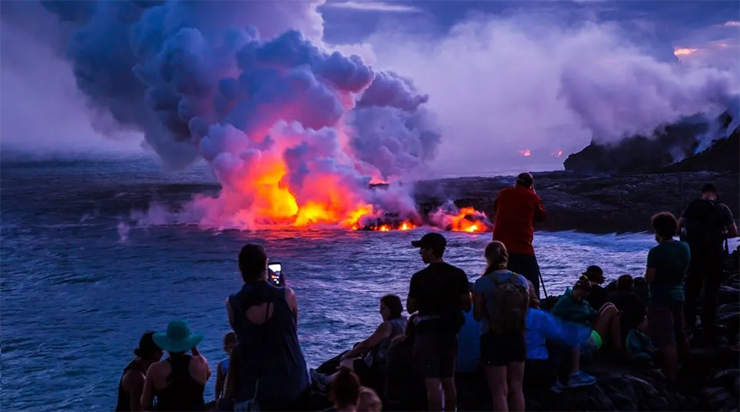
x,y
76,296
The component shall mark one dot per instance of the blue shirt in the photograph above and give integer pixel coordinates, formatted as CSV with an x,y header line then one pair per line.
x,y
468,346
486,286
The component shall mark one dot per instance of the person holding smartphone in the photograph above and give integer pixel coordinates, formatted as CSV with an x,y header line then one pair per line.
x,y
515,209
272,370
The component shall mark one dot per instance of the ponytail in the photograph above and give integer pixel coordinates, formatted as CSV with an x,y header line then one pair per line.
x,y
497,256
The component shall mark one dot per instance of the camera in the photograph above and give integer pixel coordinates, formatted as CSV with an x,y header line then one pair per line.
x,y
275,274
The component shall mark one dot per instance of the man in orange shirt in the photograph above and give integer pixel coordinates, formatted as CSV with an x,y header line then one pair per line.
x,y
515,209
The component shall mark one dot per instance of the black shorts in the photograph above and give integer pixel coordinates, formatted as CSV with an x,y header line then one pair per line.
x,y
501,350
435,355
665,323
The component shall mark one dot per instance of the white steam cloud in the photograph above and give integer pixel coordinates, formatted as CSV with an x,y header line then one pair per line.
x,y
501,85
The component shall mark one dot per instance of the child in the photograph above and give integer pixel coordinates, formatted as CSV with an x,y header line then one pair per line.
x,y
223,366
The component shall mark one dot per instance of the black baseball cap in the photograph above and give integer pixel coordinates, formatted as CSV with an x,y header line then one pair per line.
x,y
431,241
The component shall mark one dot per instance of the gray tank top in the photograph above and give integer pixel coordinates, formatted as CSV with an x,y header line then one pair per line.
x,y
380,353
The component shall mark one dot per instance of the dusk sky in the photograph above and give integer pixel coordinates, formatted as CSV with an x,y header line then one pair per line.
x,y
501,76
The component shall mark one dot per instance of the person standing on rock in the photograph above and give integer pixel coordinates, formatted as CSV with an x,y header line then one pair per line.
x,y
440,293
667,264
515,209
264,317
706,223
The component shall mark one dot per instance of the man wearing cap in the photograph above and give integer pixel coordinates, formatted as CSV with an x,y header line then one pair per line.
x,y
515,209
705,224
440,293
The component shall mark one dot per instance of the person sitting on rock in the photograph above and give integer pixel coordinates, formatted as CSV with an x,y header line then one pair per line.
x,y
369,401
404,387
265,320
573,307
223,366
501,300
367,359
565,339
177,382
131,384
632,309
598,296
345,391
667,264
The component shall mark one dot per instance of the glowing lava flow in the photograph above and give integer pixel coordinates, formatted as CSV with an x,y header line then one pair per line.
x,y
525,152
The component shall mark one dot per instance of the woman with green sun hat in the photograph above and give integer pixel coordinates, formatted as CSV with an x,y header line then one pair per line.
x,y
178,381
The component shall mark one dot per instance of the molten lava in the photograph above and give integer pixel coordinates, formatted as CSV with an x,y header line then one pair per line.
x,y
525,152
559,153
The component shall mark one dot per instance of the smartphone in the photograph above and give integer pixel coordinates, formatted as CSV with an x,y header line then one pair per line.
x,y
275,274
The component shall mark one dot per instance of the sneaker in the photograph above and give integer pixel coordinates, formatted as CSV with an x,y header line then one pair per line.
x,y
319,379
579,379
558,387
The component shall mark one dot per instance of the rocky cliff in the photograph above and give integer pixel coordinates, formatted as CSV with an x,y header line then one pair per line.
x,y
676,148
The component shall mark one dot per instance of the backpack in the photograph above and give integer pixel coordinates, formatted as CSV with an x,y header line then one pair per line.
x,y
510,304
704,227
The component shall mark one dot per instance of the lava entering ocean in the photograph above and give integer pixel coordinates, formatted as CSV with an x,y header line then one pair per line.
x,y
295,134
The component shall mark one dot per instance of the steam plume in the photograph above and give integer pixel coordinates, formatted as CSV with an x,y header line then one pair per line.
x,y
293,133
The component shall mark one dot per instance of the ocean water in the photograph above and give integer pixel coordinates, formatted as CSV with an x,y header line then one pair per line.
x,y
78,289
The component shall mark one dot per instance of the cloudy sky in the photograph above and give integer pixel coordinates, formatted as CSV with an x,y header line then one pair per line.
x,y
503,77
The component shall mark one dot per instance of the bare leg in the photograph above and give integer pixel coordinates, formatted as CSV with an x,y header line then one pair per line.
x,y
607,324
496,376
515,379
670,361
434,394
450,393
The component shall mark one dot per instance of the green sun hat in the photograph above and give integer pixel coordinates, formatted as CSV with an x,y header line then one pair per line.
x,y
178,337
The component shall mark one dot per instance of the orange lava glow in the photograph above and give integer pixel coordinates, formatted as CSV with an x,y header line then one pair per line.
x,y
559,153
525,152
684,51
261,192
462,223
322,199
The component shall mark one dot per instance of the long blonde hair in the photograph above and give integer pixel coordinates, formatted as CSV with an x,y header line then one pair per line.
x,y
497,256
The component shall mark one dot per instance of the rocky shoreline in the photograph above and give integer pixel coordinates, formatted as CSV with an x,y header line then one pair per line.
x,y
593,204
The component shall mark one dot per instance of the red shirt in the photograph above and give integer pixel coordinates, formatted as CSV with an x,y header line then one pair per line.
x,y
516,207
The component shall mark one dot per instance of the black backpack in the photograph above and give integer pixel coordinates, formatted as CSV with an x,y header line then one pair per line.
x,y
704,226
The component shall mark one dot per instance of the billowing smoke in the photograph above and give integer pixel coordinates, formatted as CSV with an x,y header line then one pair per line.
x,y
294,134
530,83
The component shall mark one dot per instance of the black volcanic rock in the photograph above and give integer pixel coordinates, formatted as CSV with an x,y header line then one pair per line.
x,y
638,154
595,204
722,155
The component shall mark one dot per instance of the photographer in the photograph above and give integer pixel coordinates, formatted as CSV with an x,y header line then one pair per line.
x,y
264,317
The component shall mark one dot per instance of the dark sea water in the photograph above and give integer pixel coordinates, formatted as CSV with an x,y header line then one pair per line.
x,y
76,298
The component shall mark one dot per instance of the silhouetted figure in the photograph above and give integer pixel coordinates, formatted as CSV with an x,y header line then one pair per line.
x,y
705,224
516,208
440,294
131,385
667,264
265,320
